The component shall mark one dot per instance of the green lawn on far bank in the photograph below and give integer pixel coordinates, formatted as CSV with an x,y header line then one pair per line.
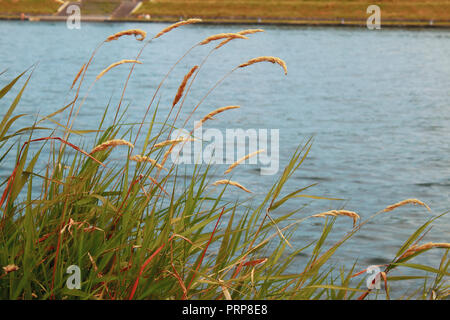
x,y
16,7
49,7
99,7
296,9
393,12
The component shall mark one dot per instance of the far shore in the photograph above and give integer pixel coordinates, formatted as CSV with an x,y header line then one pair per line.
x,y
257,21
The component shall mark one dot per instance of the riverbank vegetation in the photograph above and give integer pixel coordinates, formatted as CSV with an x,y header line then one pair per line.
x,y
34,7
311,12
138,227
289,10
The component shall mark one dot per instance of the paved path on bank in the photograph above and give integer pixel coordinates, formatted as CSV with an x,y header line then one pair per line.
x,y
124,10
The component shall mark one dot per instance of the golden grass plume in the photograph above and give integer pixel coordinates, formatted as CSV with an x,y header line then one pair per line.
x,y
336,213
213,113
235,164
232,183
220,36
404,202
115,64
10,268
183,85
139,158
268,59
176,25
111,144
172,142
415,248
250,31
77,76
138,33
243,33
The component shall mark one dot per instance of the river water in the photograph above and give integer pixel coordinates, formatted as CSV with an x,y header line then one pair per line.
x,y
377,104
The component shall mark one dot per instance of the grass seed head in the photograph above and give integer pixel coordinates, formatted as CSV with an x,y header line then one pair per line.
x,y
243,32
115,64
213,113
112,144
336,213
220,36
139,158
138,33
171,142
404,202
232,183
78,75
10,268
176,25
268,59
415,248
235,164
183,85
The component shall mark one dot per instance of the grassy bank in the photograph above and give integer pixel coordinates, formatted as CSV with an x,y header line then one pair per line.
x,y
312,12
34,7
138,227
291,10
50,7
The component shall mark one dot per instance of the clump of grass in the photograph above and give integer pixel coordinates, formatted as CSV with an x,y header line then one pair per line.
x,y
138,232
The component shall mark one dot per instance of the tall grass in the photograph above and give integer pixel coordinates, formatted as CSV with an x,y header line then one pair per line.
x,y
139,230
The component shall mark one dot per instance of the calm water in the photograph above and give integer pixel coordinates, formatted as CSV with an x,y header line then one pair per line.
x,y
376,102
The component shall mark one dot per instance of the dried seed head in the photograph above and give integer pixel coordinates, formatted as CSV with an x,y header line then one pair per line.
x,y
243,32
232,183
115,64
139,158
235,164
138,33
10,268
336,213
176,25
111,144
77,76
171,142
220,36
93,262
213,113
415,248
183,85
404,202
250,31
226,292
268,59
